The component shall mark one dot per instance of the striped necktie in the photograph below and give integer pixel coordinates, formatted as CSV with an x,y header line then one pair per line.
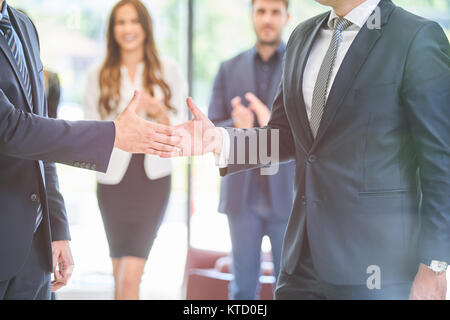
x,y
7,32
323,79
38,217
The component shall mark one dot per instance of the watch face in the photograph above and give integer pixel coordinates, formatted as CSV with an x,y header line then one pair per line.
x,y
438,266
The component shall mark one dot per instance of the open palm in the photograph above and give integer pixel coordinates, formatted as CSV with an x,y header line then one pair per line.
x,y
199,135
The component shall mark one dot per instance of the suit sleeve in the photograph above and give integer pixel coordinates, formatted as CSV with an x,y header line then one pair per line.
x,y
426,95
28,136
219,111
59,223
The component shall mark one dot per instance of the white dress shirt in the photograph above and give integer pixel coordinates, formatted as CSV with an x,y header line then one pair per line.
x,y
155,167
358,16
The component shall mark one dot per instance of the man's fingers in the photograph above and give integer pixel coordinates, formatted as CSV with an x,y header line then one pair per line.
x,y
55,264
172,141
198,115
252,98
254,102
164,154
236,102
170,131
55,286
67,271
56,261
164,147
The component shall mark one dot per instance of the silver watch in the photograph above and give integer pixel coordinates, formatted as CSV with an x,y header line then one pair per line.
x,y
438,266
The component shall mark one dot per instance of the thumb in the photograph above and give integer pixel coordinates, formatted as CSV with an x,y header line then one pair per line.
x,y
134,103
254,100
198,115
236,102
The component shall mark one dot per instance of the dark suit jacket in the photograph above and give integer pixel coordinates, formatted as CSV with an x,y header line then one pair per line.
x,y
373,187
235,78
30,143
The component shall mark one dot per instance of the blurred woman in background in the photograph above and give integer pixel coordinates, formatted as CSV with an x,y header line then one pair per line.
x,y
134,193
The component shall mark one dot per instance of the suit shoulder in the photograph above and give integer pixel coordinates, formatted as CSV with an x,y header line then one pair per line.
x,y
236,60
22,16
408,23
26,21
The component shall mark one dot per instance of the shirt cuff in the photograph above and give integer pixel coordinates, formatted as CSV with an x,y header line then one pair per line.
x,y
223,158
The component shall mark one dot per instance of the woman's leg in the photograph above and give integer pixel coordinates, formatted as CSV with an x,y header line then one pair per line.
x,y
115,265
128,278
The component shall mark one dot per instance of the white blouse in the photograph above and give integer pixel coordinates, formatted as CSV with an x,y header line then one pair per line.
x,y
155,167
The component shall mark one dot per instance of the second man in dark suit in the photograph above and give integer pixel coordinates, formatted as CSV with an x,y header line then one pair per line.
x,y
363,110
256,205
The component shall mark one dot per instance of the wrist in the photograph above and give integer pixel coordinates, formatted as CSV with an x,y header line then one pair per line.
x,y
438,267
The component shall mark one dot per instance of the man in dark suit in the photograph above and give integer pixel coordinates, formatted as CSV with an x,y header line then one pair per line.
x,y
363,108
256,205
34,231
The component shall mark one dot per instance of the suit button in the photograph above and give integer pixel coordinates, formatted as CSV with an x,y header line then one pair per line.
x,y
304,200
312,159
34,197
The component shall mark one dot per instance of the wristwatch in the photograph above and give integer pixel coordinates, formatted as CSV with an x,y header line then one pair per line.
x,y
438,266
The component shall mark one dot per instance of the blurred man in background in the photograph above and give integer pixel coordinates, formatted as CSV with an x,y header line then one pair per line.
x,y
242,97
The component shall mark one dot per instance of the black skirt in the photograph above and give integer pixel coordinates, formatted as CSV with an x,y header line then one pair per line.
x,y
133,210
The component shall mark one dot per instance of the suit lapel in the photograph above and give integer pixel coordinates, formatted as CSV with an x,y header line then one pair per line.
x,y
301,54
350,67
274,87
21,31
4,47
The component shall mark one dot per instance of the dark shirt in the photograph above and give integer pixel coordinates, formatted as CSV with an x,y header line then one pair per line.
x,y
264,79
264,71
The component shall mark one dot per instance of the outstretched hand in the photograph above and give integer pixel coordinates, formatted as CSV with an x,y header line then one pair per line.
x,y
136,135
199,135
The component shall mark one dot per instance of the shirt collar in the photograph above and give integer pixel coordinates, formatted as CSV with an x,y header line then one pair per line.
x,y
4,12
358,16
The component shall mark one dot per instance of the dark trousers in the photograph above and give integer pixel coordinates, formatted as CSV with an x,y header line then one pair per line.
x,y
247,231
32,282
304,284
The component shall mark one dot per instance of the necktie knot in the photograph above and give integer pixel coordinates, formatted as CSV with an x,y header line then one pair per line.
x,y
341,24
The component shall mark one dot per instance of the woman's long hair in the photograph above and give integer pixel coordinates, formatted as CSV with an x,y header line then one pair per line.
x,y
109,79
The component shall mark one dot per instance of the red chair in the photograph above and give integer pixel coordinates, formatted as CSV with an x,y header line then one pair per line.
x,y
207,275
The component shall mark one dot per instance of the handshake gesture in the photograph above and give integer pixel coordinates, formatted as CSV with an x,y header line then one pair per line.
x,y
136,135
